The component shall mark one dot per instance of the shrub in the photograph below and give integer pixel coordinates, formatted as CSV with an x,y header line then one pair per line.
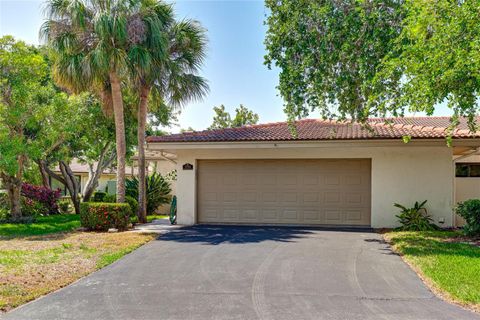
x,y
4,203
64,206
415,218
158,191
4,207
33,208
470,211
98,196
110,198
133,203
100,216
45,196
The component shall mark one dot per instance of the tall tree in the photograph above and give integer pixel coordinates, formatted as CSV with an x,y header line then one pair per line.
x,y
329,53
164,70
92,41
223,119
435,60
362,58
89,137
29,106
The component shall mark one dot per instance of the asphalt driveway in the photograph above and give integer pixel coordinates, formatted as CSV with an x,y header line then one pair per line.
x,y
250,273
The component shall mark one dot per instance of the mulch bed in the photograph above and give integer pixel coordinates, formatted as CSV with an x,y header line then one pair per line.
x,y
474,241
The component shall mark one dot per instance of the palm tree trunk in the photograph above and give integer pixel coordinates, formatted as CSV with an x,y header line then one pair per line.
x,y
142,119
117,102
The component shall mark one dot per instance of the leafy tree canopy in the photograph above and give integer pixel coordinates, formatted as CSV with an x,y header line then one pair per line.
x,y
356,59
32,114
30,107
243,116
435,59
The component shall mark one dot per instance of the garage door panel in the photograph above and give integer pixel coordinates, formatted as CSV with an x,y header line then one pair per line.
x,y
291,214
333,216
333,191
231,214
313,215
229,197
353,215
269,215
309,197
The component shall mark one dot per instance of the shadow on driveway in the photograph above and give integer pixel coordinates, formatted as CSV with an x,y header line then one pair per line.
x,y
219,234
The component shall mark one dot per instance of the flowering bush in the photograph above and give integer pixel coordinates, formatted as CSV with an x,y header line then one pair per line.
x,y
46,196
103,216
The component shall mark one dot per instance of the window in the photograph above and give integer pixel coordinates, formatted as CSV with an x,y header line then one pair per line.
x,y
467,170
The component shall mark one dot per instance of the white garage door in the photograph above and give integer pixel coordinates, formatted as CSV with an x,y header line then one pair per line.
x,y
303,192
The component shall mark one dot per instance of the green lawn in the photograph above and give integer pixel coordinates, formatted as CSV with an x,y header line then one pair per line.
x,y
450,268
158,216
49,224
42,225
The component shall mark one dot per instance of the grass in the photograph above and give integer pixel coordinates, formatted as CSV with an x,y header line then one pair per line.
x,y
158,216
42,225
41,257
450,268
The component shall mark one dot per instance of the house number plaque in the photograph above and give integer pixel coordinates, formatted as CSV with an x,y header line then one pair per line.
x,y
188,166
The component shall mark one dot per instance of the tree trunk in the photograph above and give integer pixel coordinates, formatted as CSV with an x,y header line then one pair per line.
x,y
142,119
119,134
71,183
45,177
92,182
95,173
63,178
14,187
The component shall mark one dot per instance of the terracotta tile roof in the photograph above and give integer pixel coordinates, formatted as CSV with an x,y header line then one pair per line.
x,y
314,129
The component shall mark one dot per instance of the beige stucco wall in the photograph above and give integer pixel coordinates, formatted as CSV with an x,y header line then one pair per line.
x,y
163,167
403,174
467,188
102,181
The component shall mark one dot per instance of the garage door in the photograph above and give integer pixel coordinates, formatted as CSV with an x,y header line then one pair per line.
x,y
303,192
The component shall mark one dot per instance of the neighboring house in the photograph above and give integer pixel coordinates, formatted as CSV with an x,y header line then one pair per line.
x,y
328,173
107,182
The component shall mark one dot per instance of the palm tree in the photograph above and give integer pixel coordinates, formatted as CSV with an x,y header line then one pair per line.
x,y
168,76
91,42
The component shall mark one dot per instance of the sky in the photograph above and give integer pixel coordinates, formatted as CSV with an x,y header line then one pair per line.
x,y
234,66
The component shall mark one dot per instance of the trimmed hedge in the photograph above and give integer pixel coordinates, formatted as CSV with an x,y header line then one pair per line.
x,y
101,216
111,198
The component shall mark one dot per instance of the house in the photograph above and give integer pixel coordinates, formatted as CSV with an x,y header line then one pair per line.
x,y
328,173
162,164
106,182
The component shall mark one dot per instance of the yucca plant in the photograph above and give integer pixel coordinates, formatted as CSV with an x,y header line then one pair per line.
x,y
158,190
415,218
